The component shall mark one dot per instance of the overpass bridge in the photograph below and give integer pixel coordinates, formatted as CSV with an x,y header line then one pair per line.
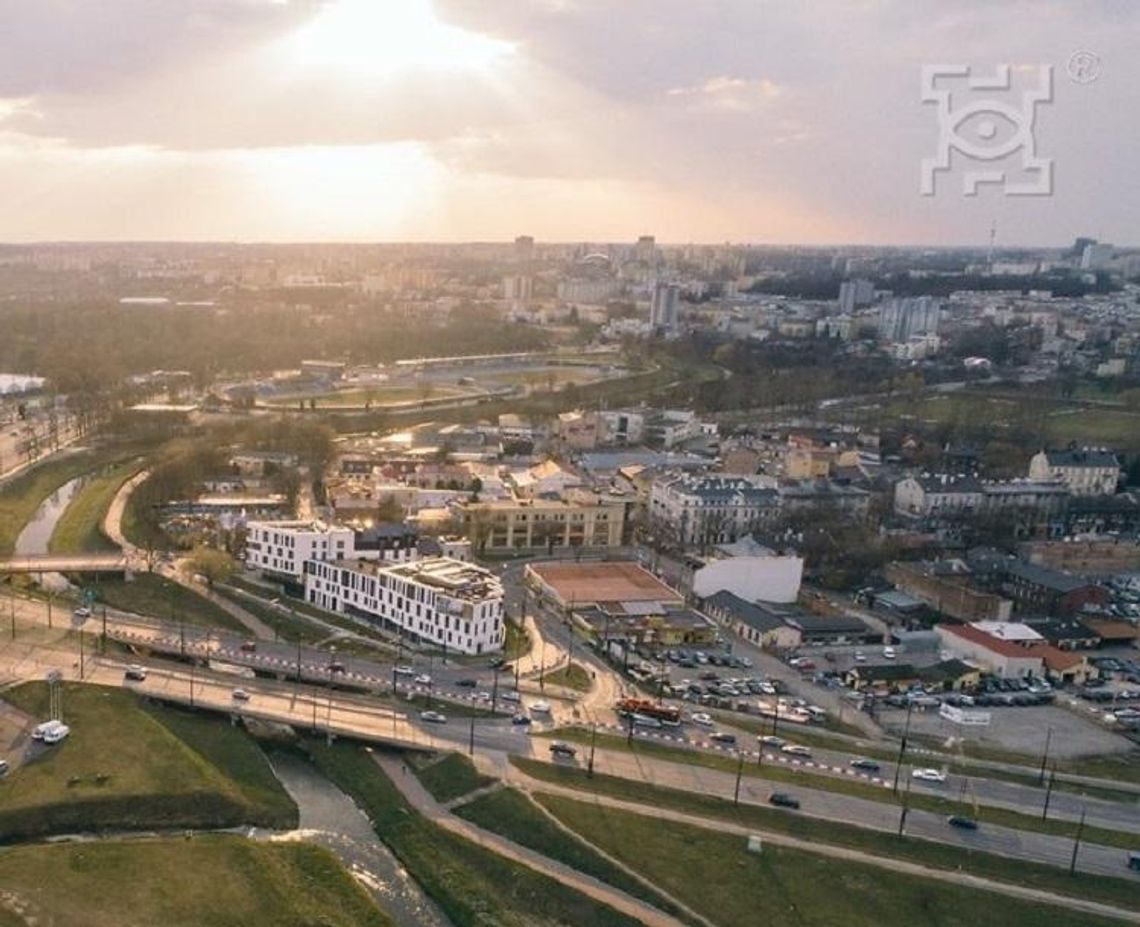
x,y
69,563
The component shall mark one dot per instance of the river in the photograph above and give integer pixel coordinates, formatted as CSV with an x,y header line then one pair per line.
x,y
38,531
329,818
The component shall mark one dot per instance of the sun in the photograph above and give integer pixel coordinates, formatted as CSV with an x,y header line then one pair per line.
x,y
379,37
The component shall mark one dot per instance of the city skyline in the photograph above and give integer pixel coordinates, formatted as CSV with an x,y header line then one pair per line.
x,y
463,121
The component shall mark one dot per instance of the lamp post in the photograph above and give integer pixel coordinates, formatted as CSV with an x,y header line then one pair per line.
x,y
1045,755
593,744
328,713
739,773
471,731
1077,843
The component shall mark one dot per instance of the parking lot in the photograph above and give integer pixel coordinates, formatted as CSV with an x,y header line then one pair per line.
x,y
1021,730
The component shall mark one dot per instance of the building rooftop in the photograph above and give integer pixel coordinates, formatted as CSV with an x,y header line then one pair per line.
x,y
757,615
1055,580
1095,457
453,577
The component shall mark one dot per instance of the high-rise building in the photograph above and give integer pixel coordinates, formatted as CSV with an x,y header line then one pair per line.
x,y
646,249
1096,255
853,293
664,309
518,288
524,248
902,319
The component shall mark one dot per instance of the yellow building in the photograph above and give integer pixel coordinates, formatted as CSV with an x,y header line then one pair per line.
x,y
517,524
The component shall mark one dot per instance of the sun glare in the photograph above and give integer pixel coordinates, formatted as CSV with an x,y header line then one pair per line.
x,y
373,37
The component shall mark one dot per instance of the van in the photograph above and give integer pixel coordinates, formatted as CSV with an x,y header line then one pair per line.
x,y
41,730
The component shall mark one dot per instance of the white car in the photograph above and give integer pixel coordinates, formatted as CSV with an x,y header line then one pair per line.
x,y
860,657
423,679
55,734
703,719
509,696
928,775
890,653
795,750
433,716
240,695
403,671
540,707
82,612
40,730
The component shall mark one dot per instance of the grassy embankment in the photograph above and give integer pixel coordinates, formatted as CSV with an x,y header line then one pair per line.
x,y
80,527
209,881
450,777
715,874
876,843
131,766
473,886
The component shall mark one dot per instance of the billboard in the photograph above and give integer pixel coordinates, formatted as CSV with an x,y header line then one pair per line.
x,y
962,716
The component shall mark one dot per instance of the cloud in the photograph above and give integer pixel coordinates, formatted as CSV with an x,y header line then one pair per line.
x,y
728,94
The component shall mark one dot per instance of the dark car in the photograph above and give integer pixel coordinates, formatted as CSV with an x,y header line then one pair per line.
x,y
866,765
249,646
723,737
520,720
495,662
961,821
783,800
559,748
467,683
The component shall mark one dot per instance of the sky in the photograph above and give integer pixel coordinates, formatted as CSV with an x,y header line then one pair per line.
x,y
761,121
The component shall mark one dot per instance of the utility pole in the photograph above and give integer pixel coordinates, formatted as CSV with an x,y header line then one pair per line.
x,y
739,773
1049,792
471,731
495,690
13,604
902,747
81,654
905,808
1045,756
1077,843
629,736
593,743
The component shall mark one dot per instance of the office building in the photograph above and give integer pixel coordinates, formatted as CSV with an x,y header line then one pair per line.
x,y
903,319
664,310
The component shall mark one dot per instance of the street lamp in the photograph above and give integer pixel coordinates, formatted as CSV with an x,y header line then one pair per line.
x,y
593,743
902,746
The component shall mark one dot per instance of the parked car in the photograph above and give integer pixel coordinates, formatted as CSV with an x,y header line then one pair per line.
x,y
434,717
864,764
928,775
541,707
41,730
960,820
783,800
703,719
57,733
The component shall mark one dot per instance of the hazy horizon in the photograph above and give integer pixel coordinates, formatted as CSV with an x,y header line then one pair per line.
x,y
569,120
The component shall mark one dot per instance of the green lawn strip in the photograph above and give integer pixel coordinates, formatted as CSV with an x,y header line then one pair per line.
x,y
473,886
158,597
511,814
20,498
854,787
517,643
812,738
571,676
877,843
1122,766
285,626
715,874
80,527
208,881
450,777
126,768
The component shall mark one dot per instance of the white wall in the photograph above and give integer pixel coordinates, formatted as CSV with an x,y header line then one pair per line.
x,y
767,579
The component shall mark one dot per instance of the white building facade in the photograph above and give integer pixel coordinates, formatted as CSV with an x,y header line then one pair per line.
x,y
442,602
283,547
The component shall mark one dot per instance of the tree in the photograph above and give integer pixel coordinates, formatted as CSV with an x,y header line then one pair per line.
x,y
389,509
215,565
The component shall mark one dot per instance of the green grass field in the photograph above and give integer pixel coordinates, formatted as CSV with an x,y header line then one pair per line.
x,y
130,767
1118,891
80,527
286,626
511,814
473,886
854,788
715,874
158,597
208,881
448,778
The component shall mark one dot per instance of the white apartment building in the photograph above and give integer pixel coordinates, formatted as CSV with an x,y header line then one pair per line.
x,y
282,547
1089,471
439,601
710,509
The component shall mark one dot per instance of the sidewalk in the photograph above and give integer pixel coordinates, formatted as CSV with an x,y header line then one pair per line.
x,y
419,799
